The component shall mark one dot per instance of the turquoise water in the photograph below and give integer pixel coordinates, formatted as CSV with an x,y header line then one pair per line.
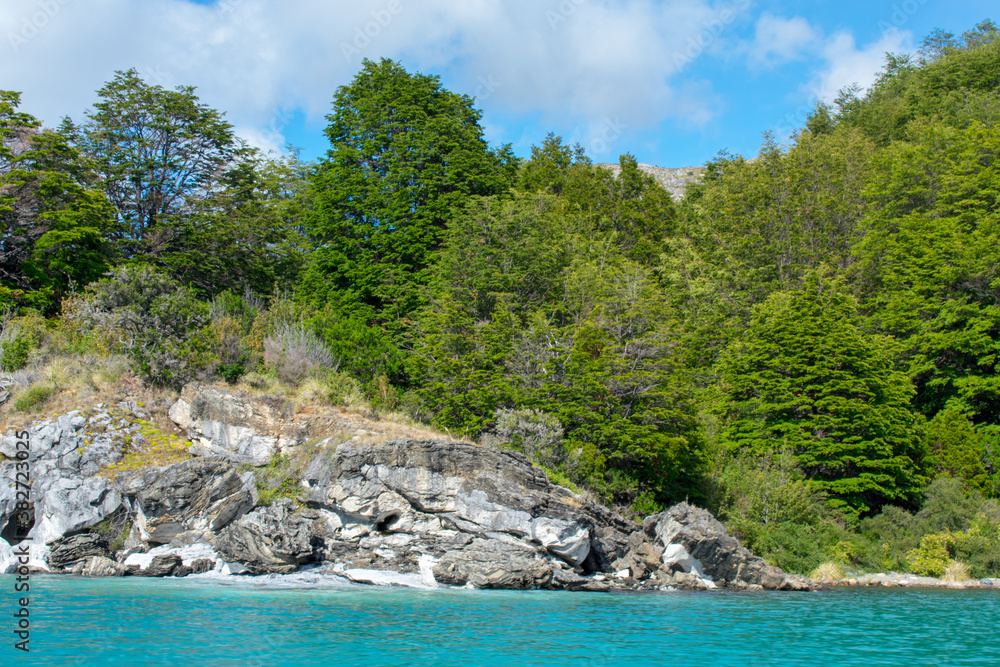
x,y
129,621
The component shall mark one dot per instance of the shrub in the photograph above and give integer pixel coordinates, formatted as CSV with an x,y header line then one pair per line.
x,y
381,395
932,557
828,571
156,320
293,351
33,397
280,478
536,434
956,571
16,351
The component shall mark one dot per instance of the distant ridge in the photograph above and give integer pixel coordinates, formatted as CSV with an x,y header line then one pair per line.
x,y
674,181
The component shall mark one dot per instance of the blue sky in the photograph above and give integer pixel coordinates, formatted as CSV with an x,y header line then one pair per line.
x,y
672,82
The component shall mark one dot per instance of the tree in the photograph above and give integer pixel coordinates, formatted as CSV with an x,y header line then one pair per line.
x,y
155,150
927,266
54,217
403,152
245,234
806,378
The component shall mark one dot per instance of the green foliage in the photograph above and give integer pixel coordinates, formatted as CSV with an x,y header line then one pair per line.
x,y
807,378
956,449
280,478
160,324
928,264
403,152
933,556
15,351
33,397
154,149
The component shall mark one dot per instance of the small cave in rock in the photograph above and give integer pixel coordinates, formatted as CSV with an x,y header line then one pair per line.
x,y
14,532
386,520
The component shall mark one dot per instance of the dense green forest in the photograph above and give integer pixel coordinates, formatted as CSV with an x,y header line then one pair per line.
x,y
806,343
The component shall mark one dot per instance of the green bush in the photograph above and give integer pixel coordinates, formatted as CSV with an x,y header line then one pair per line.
x,y
160,324
33,397
280,478
15,352
933,556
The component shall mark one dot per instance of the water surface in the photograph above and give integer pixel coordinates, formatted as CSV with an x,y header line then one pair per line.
x,y
134,621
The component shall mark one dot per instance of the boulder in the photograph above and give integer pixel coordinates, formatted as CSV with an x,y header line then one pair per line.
x,y
194,495
202,565
494,564
695,542
240,428
99,566
275,539
68,551
162,566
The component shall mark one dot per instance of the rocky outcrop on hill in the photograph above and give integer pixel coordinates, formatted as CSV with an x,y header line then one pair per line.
x,y
674,181
402,510
685,541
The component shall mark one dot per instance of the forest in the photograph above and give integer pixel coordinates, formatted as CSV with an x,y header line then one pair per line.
x,y
806,343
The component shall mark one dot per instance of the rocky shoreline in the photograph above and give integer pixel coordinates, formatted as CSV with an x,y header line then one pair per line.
x,y
400,511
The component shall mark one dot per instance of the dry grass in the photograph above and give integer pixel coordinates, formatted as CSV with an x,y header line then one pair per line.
x,y
828,571
956,571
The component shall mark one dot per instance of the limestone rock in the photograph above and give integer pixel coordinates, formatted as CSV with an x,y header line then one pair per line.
x,y
493,564
197,494
68,551
162,566
202,565
695,542
99,566
273,539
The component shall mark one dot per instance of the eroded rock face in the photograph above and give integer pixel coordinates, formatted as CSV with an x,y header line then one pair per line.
x,y
486,563
68,551
413,497
193,495
690,541
64,457
275,539
238,428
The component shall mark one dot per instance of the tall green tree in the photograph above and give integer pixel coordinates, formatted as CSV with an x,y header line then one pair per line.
x,y
55,218
404,151
155,150
928,265
806,378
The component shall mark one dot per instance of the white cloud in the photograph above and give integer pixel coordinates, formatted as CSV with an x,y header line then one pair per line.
x,y
847,64
592,60
779,40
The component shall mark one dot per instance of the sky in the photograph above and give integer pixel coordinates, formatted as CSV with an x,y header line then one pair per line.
x,y
673,82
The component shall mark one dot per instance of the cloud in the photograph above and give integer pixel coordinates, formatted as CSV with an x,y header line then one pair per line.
x,y
847,64
779,40
593,61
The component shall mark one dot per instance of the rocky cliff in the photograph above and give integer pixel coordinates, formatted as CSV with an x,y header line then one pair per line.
x,y
674,181
398,510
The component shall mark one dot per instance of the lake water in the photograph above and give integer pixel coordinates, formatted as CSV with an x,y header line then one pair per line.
x,y
135,621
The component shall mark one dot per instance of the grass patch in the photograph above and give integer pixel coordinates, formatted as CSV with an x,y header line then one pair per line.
x,y
155,449
33,397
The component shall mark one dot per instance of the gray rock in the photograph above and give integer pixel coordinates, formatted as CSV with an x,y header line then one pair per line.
x,y
197,494
68,551
161,566
695,542
274,539
202,565
99,566
494,564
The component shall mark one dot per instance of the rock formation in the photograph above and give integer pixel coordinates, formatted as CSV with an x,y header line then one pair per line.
x,y
432,511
